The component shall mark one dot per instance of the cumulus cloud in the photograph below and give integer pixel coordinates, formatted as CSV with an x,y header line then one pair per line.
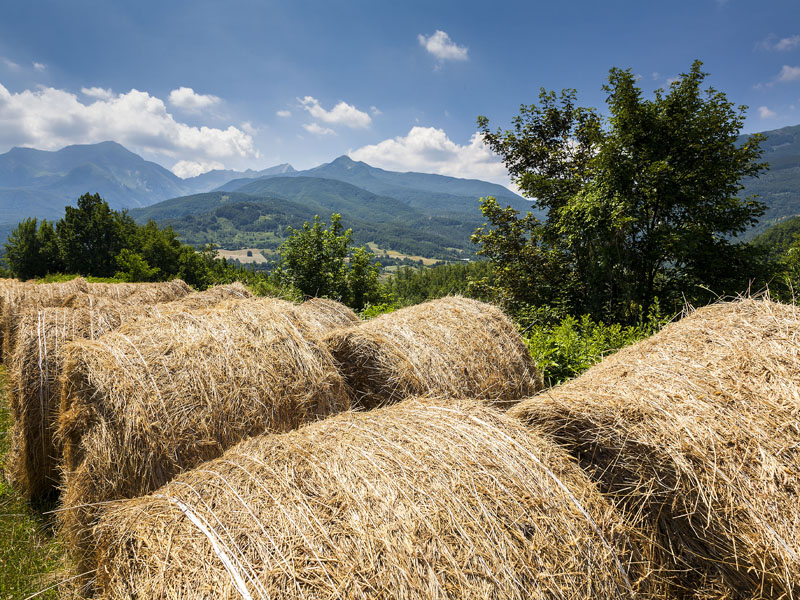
x,y
49,118
98,92
430,150
341,114
39,66
765,113
318,129
284,113
187,99
789,73
375,111
191,168
442,47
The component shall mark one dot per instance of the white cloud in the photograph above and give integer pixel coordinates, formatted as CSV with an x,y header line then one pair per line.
x,y
765,113
187,99
49,118
191,168
39,66
671,80
317,129
430,150
655,75
789,73
771,42
98,92
442,47
284,113
789,43
375,111
10,64
341,114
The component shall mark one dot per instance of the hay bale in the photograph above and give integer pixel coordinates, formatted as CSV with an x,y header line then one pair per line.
x,y
453,347
422,500
20,297
695,433
34,384
323,315
208,298
141,293
161,395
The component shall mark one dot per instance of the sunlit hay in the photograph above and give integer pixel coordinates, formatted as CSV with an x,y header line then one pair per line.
x,y
208,298
161,395
453,347
323,316
427,499
141,293
34,373
695,433
19,297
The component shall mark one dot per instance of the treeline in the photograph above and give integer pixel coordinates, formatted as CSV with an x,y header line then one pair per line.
x,y
94,240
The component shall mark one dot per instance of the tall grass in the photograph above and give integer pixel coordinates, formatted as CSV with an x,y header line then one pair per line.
x,y
30,557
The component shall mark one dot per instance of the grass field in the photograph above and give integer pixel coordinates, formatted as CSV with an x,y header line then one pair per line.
x,y
30,557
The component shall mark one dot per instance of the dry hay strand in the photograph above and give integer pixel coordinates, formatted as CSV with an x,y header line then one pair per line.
x,y
695,433
424,499
453,347
323,315
34,374
208,298
20,297
161,395
141,293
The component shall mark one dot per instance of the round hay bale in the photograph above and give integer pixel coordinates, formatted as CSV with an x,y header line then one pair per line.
x,y
141,293
34,384
18,298
695,434
452,347
161,395
323,315
208,298
422,500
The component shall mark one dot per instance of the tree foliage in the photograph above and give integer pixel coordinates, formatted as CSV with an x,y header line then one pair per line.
x,y
319,261
638,205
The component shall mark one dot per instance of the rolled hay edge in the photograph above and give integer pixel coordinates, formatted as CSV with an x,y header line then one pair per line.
x,y
161,395
434,498
454,347
694,434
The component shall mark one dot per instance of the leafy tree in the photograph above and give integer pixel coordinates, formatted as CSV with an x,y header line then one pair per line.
x,y
91,235
23,250
134,268
319,262
638,205
49,251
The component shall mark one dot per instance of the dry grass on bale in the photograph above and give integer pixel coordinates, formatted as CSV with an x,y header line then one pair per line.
x,y
34,377
162,395
37,364
323,315
695,433
141,293
453,347
425,499
22,296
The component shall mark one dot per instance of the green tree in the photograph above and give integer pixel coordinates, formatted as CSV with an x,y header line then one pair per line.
x,y
23,250
638,205
319,261
134,268
91,235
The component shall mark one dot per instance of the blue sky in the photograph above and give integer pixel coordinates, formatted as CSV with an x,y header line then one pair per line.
x,y
200,84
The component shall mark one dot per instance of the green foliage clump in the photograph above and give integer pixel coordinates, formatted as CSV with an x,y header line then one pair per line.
x,y
567,348
320,262
417,285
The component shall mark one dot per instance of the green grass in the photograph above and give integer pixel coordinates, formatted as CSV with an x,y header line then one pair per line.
x,y
30,557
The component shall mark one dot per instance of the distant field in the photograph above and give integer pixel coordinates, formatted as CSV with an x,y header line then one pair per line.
x,y
394,254
241,255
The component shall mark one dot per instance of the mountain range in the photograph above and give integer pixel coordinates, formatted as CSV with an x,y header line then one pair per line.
x,y
414,213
